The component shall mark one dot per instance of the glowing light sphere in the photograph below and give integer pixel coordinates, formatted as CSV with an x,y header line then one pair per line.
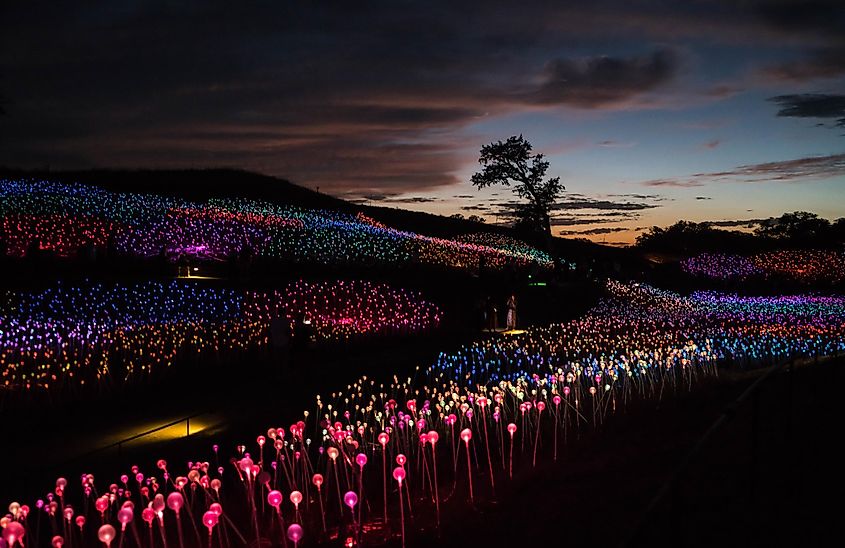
x,y
399,474
466,435
295,532
274,498
317,480
350,499
361,459
295,498
13,532
106,534
101,504
175,501
209,519
124,516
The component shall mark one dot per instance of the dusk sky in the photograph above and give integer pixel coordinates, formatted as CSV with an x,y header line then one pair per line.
x,y
649,111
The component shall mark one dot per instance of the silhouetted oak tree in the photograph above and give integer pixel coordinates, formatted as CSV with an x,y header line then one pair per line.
x,y
510,163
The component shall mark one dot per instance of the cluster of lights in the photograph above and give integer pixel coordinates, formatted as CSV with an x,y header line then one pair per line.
x,y
805,266
63,218
367,456
65,336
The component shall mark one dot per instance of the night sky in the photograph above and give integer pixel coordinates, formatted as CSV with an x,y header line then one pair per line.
x,y
650,111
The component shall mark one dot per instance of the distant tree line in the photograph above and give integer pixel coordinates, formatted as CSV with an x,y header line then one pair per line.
x,y
797,230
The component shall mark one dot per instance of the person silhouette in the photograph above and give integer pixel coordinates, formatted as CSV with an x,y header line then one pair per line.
x,y
511,317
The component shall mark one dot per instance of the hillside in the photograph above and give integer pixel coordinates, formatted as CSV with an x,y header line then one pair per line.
x,y
204,184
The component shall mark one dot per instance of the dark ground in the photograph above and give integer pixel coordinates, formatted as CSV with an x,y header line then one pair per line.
x,y
594,495
239,397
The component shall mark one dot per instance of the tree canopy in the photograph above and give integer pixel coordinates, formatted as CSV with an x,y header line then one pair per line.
x,y
511,163
799,229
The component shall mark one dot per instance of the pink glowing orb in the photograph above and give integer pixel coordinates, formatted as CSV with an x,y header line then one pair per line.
x,y
556,400
317,480
399,474
383,438
295,498
433,437
216,508
209,519
14,532
106,534
80,521
566,390
274,498
451,419
261,440
541,406
350,499
158,503
361,459
295,533
512,429
101,504
124,516
148,515
175,501
332,452
466,435
423,439
401,459
57,541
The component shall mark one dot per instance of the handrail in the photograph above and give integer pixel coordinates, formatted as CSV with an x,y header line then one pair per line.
x,y
159,428
726,416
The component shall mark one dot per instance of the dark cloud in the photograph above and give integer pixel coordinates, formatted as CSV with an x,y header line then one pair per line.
x,y
797,170
593,231
595,219
610,143
412,200
744,223
820,23
825,17
703,198
652,197
355,97
673,183
812,105
600,81
819,63
603,204
813,167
